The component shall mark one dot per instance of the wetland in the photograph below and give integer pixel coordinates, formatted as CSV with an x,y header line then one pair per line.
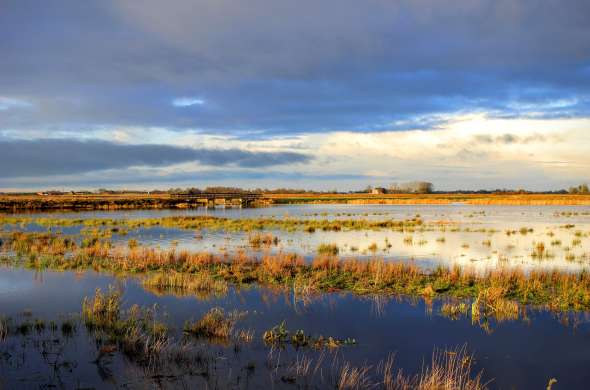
x,y
296,296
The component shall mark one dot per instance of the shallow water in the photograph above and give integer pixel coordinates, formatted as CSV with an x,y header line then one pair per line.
x,y
473,236
516,354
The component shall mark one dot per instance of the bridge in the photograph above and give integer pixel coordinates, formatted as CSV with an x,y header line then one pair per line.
x,y
211,199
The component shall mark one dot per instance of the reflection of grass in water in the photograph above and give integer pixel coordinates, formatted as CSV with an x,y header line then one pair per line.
x,y
8,327
490,303
454,311
3,328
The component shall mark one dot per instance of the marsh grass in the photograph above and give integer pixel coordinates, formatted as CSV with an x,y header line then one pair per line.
x,y
373,247
92,226
103,309
135,331
558,290
216,323
328,249
449,369
540,252
257,240
177,283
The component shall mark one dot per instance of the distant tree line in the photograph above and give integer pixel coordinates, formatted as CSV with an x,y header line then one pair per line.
x,y
413,187
237,190
581,189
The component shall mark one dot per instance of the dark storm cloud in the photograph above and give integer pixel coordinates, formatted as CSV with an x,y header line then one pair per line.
x,y
20,158
275,66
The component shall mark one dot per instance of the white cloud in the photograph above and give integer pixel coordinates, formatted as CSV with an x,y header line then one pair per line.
x,y
187,102
7,103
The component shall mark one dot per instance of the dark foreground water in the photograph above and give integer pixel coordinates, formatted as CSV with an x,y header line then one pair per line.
x,y
521,354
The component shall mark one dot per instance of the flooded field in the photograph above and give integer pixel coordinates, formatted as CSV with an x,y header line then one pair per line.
x,y
473,236
310,296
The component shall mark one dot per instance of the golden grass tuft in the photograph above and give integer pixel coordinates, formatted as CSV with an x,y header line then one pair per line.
x,y
216,323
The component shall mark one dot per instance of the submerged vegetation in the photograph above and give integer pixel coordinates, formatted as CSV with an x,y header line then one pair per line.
x,y
280,336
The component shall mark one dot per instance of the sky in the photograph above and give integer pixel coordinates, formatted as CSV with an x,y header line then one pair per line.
x,y
315,94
